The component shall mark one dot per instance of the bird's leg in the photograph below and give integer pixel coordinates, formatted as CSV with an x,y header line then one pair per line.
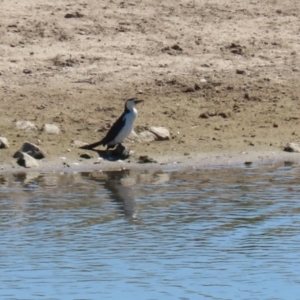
x,y
120,149
108,147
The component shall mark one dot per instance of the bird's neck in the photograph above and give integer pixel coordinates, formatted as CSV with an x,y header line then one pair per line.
x,y
131,111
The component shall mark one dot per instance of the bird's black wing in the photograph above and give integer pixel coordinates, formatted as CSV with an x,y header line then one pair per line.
x,y
111,134
114,130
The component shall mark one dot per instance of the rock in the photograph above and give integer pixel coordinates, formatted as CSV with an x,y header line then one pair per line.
x,y
69,15
133,137
176,47
240,72
144,159
224,115
196,87
26,125
30,149
189,90
161,133
292,147
79,14
204,115
143,137
74,15
121,152
236,49
172,50
86,155
51,129
147,136
78,144
4,143
26,160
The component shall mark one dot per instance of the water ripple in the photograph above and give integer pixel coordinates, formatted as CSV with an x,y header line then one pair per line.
x,y
206,234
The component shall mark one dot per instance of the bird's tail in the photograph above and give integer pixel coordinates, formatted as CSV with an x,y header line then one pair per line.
x,y
92,146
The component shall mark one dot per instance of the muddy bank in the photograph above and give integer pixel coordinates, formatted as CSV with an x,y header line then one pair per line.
x,y
222,76
72,163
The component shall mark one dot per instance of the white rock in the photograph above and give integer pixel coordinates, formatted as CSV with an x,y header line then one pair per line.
x,y
77,144
154,133
133,137
26,125
161,133
4,143
147,136
51,129
292,147
31,149
27,161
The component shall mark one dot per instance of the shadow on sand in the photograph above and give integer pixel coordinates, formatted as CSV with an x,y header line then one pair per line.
x,y
113,155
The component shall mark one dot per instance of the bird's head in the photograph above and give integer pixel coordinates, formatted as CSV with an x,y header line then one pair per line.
x,y
130,103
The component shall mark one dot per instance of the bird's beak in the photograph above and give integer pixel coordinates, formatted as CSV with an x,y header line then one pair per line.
x,y
138,101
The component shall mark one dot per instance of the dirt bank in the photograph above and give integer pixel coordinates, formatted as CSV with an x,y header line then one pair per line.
x,y
222,76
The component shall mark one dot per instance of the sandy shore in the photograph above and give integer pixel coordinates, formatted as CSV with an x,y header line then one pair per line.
x,y
222,76
166,163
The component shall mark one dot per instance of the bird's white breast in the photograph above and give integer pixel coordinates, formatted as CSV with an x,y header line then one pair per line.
x,y
127,128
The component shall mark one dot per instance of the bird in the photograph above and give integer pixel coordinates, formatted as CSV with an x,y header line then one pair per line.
x,y
120,129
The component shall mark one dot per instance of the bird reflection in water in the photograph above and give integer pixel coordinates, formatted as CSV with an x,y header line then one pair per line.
x,y
119,184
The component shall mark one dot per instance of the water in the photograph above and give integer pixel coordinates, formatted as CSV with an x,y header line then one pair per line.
x,y
205,234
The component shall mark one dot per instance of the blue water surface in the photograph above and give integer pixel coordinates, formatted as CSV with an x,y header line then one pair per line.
x,y
223,233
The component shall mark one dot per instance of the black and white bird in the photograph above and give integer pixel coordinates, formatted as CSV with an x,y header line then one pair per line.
x,y
121,129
